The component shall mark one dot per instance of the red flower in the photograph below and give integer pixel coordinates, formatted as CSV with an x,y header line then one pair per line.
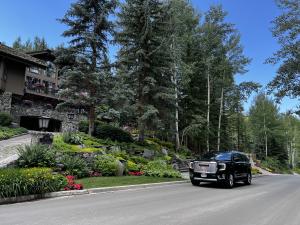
x,y
136,173
72,185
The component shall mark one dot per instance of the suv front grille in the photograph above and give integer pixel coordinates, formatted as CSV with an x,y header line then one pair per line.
x,y
205,167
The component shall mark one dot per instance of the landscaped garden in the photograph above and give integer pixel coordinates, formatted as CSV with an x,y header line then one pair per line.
x,y
76,160
6,131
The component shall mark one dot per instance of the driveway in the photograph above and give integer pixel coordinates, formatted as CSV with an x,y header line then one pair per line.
x,y
271,200
9,148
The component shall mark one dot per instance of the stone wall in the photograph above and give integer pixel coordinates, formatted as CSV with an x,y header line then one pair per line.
x,y
38,109
5,102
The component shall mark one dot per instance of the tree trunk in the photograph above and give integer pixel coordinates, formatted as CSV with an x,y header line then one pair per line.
x,y
177,138
208,111
266,137
92,116
220,118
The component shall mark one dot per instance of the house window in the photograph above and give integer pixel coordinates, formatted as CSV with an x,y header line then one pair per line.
x,y
34,70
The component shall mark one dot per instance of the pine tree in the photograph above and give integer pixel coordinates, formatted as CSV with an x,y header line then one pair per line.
x,y
37,44
286,31
84,82
144,57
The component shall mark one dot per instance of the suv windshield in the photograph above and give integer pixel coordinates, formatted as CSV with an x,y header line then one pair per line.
x,y
224,156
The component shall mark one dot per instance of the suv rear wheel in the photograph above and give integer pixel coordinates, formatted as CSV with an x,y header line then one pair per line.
x,y
229,181
248,179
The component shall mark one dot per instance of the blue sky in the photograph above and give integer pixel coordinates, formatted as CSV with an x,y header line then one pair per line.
x,y
31,18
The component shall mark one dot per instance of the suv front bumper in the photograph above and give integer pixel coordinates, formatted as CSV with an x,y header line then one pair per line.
x,y
207,177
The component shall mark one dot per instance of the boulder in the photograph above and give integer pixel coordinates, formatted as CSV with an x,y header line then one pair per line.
x,y
149,154
164,151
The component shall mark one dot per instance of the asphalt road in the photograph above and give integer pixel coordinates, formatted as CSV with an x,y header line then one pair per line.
x,y
270,200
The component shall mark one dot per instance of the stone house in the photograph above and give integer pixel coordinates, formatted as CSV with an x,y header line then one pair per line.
x,y
29,85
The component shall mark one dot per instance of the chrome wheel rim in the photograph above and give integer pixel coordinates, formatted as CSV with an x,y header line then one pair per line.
x,y
249,178
230,180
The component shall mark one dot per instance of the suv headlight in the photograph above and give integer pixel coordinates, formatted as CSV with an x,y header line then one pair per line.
x,y
191,165
222,166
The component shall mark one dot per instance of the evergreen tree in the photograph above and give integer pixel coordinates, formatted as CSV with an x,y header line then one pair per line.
x,y
37,44
286,31
266,128
145,58
84,83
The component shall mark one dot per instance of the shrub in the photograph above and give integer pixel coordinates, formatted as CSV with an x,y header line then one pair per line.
x,y
139,160
83,126
72,138
5,119
6,132
132,166
274,165
59,145
74,165
113,133
106,131
107,165
160,168
18,182
36,155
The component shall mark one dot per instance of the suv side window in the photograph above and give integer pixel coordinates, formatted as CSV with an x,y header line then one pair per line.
x,y
237,157
246,159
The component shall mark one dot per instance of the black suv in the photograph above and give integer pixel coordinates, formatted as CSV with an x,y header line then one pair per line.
x,y
222,167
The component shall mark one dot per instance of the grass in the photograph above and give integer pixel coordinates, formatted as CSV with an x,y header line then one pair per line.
x,y
95,182
7,132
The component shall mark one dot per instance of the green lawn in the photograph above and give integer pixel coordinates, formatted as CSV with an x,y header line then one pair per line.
x,y
94,182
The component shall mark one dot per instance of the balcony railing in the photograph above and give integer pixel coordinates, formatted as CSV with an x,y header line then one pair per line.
x,y
40,89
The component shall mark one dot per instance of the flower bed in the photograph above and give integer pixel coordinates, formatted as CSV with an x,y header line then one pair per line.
x,y
19,182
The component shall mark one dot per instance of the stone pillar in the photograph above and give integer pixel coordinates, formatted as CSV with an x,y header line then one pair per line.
x,y
5,102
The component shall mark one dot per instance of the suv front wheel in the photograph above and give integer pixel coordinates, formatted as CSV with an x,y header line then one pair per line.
x,y
229,181
195,182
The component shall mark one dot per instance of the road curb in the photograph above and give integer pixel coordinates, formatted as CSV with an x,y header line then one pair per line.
x,y
26,198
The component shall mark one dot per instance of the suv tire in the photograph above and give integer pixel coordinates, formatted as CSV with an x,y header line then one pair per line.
x,y
195,182
229,183
248,179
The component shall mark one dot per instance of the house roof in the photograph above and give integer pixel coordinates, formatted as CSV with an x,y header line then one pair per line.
x,y
20,56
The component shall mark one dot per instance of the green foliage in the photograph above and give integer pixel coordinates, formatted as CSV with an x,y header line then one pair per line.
x,y
113,133
38,44
6,132
144,60
286,31
165,144
107,165
72,138
73,165
84,126
18,182
36,156
59,145
132,166
106,131
5,119
139,160
274,165
160,168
